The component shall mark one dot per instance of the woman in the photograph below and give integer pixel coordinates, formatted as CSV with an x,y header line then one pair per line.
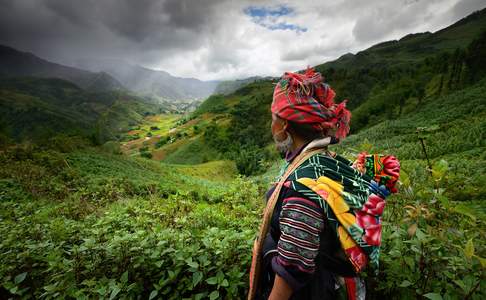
x,y
321,226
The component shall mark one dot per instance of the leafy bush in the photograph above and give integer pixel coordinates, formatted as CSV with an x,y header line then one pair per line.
x,y
432,247
174,247
145,152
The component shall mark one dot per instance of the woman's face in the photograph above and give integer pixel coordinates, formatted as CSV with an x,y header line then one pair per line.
x,y
278,128
283,140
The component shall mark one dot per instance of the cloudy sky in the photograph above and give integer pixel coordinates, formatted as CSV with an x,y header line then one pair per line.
x,y
217,39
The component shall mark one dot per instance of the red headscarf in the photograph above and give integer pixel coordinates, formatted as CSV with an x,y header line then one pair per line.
x,y
305,98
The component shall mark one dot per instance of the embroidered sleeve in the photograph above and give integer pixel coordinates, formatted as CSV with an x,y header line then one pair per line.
x,y
301,222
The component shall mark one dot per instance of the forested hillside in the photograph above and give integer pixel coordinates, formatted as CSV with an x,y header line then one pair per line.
x,y
385,82
37,109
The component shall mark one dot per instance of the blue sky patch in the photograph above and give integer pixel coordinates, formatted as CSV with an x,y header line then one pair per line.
x,y
268,17
262,12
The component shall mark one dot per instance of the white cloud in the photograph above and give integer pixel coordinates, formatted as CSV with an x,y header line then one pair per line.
x,y
216,39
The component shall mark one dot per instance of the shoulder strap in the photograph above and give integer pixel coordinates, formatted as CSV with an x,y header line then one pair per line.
x,y
267,216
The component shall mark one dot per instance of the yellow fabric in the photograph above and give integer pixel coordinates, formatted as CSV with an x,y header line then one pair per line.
x,y
310,183
345,239
334,185
334,197
347,219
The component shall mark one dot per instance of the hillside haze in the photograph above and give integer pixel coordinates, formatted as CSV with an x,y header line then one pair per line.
x,y
14,63
158,84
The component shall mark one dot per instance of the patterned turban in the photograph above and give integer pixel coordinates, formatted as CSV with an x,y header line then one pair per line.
x,y
305,98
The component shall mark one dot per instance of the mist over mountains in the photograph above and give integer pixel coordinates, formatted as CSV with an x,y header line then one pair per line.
x,y
14,63
158,84
106,75
112,74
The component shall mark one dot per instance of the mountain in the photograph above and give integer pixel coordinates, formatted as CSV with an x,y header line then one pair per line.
x,y
389,81
157,84
230,86
14,63
414,47
37,109
355,75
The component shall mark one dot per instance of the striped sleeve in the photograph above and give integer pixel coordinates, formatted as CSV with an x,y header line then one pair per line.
x,y
301,222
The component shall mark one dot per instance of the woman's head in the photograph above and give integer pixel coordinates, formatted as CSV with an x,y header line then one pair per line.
x,y
303,107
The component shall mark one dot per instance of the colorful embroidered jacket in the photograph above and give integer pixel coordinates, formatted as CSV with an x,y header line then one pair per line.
x,y
302,249
353,199
329,202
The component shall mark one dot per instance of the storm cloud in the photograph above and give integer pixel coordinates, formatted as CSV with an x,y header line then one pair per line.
x,y
217,39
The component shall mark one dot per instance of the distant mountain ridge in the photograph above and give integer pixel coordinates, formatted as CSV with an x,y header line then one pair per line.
x,y
37,109
154,83
230,86
15,63
415,46
41,99
391,80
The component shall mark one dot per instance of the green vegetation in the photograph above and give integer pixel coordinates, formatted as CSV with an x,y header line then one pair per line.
x,y
112,226
379,91
159,211
108,225
35,109
193,152
244,138
434,228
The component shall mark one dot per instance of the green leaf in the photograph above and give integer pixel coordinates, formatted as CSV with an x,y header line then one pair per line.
x,y
212,280
469,282
14,290
482,261
225,283
101,291
220,276
196,278
114,292
214,295
421,236
469,249
433,296
439,169
461,284
464,210
405,283
124,277
404,179
193,264
19,278
410,262
153,294
199,296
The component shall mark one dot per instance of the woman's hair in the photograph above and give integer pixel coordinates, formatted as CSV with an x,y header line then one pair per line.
x,y
306,131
